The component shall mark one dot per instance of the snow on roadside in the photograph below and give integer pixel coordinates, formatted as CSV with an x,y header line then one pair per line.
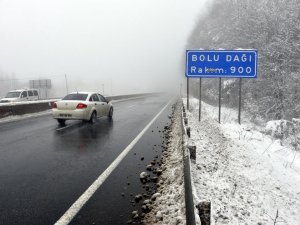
x,y
169,206
247,176
29,102
25,116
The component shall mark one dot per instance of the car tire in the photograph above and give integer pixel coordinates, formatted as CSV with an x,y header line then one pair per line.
x,y
111,112
93,118
61,122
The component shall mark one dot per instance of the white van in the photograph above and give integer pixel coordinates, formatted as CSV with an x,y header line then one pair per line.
x,y
21,95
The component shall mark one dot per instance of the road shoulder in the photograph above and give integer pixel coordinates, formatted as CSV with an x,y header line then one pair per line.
x,y
168,206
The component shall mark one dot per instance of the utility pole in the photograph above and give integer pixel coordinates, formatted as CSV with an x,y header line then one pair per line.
x,y
103,89
66,84
111,89
180,89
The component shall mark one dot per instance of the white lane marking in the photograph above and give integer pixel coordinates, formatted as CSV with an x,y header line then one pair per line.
x,y
74,209
62,128
128,99
129,107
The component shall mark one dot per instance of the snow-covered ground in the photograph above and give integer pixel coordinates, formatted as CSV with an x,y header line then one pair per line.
x,y
28,102
25,116
249,177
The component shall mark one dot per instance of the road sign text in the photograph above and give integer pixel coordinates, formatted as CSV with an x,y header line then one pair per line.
x,y
221,63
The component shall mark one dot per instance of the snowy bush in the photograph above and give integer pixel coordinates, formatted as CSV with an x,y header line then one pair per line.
x,y
287,131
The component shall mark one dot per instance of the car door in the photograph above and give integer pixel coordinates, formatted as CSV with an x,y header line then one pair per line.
x,y
36,94
104,105
30,95
24,96
96,104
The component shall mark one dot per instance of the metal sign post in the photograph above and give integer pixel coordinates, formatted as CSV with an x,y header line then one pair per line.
x,y
43,85
200,97
181,89
66,84
219,64
187,94
240,100
220,96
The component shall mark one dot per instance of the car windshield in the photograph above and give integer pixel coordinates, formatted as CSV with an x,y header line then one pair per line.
x,y
14,94
76,96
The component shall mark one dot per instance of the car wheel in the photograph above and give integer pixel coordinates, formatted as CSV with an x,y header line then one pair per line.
x,y
61,122
93,118
111,112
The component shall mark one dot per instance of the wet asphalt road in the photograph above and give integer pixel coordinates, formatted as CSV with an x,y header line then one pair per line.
x,y
44,170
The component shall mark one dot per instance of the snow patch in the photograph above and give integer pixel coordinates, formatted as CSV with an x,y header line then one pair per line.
x,y
247,176
25,116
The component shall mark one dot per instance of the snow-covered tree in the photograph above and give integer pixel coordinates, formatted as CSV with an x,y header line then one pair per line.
x,y
273,28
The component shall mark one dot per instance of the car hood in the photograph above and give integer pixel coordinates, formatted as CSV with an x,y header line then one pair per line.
x,y
3,100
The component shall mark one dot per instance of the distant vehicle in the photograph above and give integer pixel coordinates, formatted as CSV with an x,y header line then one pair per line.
x,y
21,95
86,106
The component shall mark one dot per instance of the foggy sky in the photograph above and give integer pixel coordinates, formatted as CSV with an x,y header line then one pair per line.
x,y
130,46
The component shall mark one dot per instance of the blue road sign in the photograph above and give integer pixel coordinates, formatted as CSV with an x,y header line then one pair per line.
x,y
221,63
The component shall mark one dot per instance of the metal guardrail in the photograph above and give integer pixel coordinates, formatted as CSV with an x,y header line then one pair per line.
x,y
119,97
188,191
34,107
21,109
189,155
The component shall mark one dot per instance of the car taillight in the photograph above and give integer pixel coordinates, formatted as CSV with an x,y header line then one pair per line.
x,y
81,106
54,106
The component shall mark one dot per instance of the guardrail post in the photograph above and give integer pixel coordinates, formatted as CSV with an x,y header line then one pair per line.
x,y
186,121
188,131
192,149
204,209
189,202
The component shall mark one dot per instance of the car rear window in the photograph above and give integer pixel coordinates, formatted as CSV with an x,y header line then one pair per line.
x,y
102,98
80,97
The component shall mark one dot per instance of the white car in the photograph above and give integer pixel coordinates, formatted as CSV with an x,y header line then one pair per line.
x,y
86,106
21,95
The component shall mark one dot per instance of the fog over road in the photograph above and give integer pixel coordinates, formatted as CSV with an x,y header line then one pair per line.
x,y
44,169
117,47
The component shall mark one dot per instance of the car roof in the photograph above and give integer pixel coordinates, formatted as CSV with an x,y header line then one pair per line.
x,y
19,90
84,92
16,90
